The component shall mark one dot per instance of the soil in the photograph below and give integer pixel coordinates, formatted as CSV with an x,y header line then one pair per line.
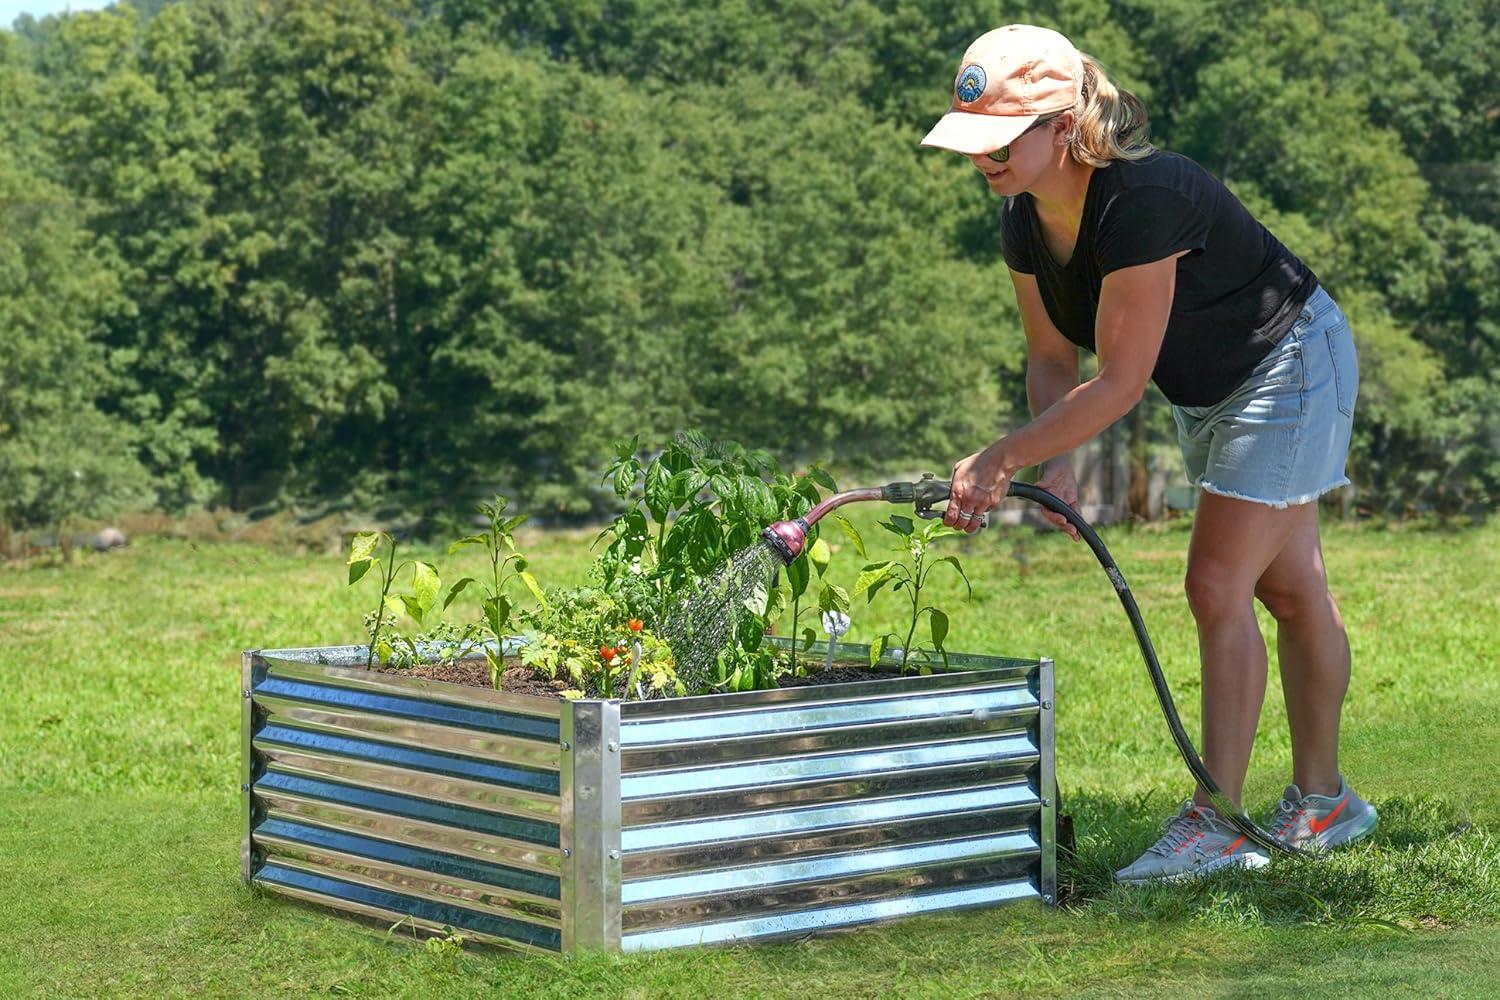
x,y
842,672
519,679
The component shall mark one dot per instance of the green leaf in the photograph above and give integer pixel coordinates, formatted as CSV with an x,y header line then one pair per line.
x,y
468,540
393,606
822,478
809,636
819,554
953,560
751,632
359,569
756,601
871,575
497,614
413,607
456,590
363,545
534,587
877,649
515,522
425,587
798,575
898,525
778,604
658,490
939,623
833,598
686,484
851,533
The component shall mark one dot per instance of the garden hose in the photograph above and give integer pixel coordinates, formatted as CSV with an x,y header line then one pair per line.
x,y
787,539
1185,747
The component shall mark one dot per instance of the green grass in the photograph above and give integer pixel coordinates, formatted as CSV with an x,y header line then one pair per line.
x,y
119,743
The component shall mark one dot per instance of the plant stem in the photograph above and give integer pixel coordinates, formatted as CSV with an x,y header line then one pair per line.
x,y
916,605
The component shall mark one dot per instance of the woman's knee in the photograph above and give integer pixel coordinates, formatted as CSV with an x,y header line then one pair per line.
x,y
1292,597
1215,591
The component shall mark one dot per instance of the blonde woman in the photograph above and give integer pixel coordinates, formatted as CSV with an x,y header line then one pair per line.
x,y
1145,259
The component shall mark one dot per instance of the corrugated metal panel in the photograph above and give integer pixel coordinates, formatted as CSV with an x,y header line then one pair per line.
x,y
602,825
774,813
402,799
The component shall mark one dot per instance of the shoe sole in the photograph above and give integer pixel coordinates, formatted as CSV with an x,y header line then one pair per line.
x,y
1207,868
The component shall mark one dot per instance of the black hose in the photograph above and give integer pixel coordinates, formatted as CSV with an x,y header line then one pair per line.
x,y
1185,747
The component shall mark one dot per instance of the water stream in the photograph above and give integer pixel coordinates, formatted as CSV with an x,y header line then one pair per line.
x,y
703,622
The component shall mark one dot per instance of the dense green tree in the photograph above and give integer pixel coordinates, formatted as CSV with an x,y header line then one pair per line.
x,y
410,251
60,454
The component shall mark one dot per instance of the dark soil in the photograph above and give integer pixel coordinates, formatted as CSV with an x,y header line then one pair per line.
x,y
842,672
519,679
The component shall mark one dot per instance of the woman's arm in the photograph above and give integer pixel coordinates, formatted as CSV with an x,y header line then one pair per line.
x,y
1051,358
1134,305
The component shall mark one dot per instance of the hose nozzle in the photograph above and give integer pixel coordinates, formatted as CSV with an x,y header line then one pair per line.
x,y
787,538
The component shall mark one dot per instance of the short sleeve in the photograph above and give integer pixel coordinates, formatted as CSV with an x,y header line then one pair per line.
x,y
1015,237
1146,224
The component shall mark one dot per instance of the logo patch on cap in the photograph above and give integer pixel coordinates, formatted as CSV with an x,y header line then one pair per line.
x,y
970,83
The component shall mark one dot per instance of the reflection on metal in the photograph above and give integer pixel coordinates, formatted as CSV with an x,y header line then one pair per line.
x,y
402,799
607,826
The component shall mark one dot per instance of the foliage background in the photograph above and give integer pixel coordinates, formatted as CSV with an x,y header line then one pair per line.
x,y
407,252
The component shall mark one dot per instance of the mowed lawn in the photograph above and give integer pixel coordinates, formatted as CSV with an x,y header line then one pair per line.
x,y
119,772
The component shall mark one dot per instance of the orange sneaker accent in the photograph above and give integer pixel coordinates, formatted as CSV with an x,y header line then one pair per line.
x,y
1231,847
1315,826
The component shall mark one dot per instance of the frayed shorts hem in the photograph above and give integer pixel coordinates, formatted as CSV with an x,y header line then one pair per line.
x,y
1296,501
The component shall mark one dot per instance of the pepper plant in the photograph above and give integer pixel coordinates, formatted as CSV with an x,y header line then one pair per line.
x,y
507,565
909,571
365,553
688,511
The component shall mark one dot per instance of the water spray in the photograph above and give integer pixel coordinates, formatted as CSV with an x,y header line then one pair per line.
x,y
787,539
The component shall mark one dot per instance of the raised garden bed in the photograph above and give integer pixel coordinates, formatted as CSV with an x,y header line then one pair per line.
x,y
560,825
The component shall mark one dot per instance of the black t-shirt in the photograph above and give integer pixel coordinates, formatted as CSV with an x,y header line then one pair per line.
x,y
1238,291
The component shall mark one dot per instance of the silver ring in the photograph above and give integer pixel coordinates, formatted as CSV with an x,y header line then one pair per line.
x,y
966,514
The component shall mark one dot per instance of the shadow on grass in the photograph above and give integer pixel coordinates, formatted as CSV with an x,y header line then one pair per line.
x,y
1426,865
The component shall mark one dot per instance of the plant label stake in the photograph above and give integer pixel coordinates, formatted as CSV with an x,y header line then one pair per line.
x,y
835,623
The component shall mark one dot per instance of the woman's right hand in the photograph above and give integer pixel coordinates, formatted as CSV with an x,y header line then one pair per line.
x,y
1056,477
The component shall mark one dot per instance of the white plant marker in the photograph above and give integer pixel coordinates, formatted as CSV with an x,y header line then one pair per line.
x,y
835,623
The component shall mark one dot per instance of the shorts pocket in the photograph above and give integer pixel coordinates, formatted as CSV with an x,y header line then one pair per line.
x,y
1341,360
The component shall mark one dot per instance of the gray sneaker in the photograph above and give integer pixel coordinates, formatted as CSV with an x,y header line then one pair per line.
x,y
1322,822
1197,841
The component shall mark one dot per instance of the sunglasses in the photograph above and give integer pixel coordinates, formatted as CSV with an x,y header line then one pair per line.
x,y
1002,154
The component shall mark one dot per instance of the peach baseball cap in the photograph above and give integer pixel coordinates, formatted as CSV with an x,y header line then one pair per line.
x,y
1008,79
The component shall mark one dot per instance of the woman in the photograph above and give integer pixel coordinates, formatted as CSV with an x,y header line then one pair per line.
x,y
1145,259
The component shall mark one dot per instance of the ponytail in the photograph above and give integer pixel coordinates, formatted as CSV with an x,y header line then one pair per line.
x,y
1109,123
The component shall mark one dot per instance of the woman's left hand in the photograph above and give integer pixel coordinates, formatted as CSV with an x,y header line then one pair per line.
x,y
980,482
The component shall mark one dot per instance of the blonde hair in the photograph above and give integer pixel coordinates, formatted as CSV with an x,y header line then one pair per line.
x,y
1109,123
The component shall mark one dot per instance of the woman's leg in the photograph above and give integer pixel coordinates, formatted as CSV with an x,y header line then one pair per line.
x,y
1234,543
1313,650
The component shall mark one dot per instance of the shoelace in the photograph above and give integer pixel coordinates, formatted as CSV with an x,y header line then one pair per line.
x,y
1288,813
1181,829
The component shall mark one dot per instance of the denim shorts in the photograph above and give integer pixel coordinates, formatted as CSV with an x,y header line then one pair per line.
x,y
1281,436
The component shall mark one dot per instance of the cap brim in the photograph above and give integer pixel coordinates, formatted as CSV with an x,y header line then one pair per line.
x,y
972,134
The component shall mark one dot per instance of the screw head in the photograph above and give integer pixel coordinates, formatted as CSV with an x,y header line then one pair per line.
x,y
566,745
567,853
1046,801
245,786
613,746
244,692
1046,704
1047,897
614,855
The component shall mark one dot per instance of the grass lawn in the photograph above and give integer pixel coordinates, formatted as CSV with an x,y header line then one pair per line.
x,y
119,771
